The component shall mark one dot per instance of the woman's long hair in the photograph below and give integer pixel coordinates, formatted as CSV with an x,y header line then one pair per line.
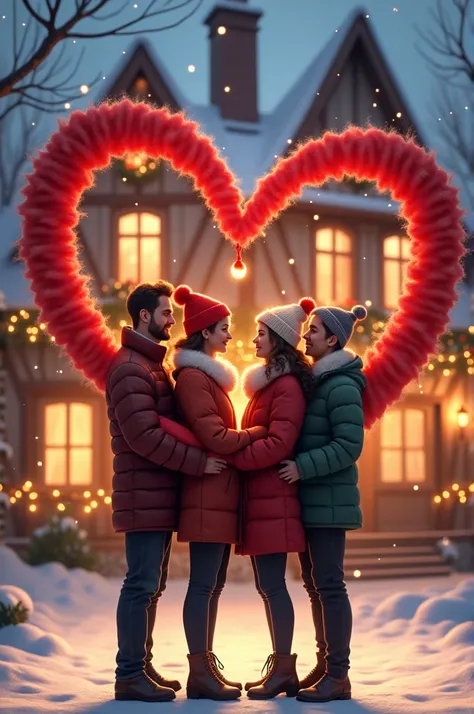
x,y
283,355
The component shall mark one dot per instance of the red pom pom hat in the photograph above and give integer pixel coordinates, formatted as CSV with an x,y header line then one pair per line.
x,y
288,320
200,311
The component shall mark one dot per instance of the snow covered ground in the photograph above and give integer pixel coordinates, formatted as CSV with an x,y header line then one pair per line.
x,y
413,645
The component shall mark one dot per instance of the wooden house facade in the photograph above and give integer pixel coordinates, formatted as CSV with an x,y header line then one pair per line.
x,y
339,243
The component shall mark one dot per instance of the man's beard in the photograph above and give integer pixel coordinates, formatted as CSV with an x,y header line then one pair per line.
x,y
157,332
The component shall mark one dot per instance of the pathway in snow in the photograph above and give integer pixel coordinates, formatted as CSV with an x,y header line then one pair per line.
x,y
413,645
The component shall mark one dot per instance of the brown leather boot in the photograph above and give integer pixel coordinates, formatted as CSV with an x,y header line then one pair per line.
x,y
282,678
159,679
316,673
326,690
267,667
218,666
142,689
203,681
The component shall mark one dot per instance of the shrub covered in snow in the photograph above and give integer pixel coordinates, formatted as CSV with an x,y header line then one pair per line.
x,y
15,605
61,541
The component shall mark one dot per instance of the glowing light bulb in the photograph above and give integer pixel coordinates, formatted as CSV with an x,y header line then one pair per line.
x,y
238,270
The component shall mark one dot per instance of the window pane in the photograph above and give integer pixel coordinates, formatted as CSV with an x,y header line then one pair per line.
x,y
55,467
55,425
391,429
406,251
128,260
324,270
80,466
343,242
324,239
80,424
392,288
391,247
415,469
392,466
150,225
415,428
403,275
128,225
149,259
343,278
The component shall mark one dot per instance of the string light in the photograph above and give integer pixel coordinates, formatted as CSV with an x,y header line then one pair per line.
x,y
221,30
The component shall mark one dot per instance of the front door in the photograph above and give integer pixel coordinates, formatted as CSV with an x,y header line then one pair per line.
x,y
405,480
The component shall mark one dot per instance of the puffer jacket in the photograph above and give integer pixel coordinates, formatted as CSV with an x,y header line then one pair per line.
x,y
148,462
209,510
271,512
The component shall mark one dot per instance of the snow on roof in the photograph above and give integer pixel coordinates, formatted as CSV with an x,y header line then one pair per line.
x,y
292,109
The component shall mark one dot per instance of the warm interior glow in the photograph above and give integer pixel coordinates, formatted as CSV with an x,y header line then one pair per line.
x,y
396,254
68,443
333,269
463,418
403,441
139,247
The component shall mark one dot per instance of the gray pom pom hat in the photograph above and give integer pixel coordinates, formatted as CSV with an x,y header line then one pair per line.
x,y
341,322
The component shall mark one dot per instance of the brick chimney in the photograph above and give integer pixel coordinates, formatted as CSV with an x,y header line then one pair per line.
x,y
233,40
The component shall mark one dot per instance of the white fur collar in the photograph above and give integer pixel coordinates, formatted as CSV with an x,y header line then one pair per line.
x,y
333,361
254,378
220,370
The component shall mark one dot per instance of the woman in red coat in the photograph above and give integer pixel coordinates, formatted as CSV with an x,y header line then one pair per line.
x,y
271,522
209,515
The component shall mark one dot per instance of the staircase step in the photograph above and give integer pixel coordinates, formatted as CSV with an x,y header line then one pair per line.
x,y
400,572
384,550
388,561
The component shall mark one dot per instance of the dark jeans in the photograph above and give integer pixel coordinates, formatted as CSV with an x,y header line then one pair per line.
x,y
147,555
208,572
269,571
323,578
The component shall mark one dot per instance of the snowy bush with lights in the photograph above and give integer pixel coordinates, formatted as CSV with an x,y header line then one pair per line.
x,y
61,541
15,605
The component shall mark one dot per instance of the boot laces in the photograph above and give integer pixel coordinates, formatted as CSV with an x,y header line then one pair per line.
x,y
270,661
215,660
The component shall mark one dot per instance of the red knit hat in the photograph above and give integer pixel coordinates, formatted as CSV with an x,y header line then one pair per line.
x,y
200,311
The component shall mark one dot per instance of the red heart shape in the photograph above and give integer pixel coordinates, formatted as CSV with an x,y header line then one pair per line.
x,y
63,171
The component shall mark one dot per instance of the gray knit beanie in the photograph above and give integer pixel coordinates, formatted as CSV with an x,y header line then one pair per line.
x,y
341,322
288,320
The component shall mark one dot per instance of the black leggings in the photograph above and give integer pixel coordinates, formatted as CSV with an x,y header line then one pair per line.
x,y
208,572
269,571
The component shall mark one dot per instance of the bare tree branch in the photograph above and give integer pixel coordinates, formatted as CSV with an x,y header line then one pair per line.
x,y
84,10
449,51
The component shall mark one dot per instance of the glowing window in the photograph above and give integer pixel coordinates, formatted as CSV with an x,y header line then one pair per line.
x,y
333,269
139,252
68,444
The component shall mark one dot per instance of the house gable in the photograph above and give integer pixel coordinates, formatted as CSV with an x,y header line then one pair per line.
x,y
143,76
338,88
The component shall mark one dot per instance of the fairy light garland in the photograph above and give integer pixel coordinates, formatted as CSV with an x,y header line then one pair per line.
x,y
455,355
39,498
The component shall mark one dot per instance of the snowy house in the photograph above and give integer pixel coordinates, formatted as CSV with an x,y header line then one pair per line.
x,y
339,243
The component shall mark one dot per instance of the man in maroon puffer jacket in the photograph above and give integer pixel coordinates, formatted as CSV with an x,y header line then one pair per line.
x,y
145,499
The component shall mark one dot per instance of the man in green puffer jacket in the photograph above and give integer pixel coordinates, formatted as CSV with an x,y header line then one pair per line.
x,y
330,443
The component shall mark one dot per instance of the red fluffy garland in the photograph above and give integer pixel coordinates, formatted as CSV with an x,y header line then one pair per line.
x,y
63,171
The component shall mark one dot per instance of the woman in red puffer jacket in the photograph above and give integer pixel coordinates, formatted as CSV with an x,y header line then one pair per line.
x,y
271,522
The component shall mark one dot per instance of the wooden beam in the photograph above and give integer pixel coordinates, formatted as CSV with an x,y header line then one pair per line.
x,y
270,265
193,246
126,202
286,248
213,262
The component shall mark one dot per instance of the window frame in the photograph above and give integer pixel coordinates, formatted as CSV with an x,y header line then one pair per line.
x,y
36,427
400,261
115,251
427,407
334,226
